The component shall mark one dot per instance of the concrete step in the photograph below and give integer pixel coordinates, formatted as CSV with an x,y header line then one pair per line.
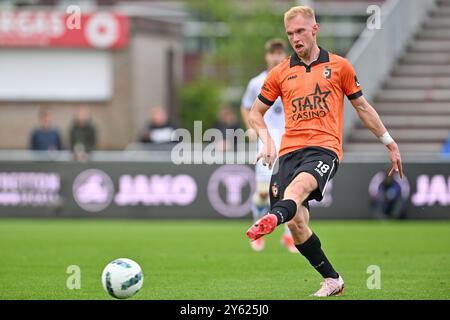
x,y
414,95
412,108
429,58
434,34
430,46
403,135
441,11
404,147
409,122
437,22
419,70
415,101
418,83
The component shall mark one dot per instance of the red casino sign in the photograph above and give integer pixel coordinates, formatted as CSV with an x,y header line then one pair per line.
x,y
102,30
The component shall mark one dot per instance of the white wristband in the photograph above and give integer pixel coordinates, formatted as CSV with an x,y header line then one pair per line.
x,y
386,138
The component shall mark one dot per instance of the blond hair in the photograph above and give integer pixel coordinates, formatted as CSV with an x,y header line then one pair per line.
x,y
305,11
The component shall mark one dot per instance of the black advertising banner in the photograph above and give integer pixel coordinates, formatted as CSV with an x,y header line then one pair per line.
x,y
169,191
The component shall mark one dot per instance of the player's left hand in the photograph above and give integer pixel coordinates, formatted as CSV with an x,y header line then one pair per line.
x,y
394,155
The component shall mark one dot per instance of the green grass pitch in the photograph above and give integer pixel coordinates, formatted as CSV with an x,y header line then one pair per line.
x,y
213,259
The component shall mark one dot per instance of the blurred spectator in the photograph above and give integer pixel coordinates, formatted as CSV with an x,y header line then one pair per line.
x,y
227,120
159,129
83,135
446,148
45,136
388,202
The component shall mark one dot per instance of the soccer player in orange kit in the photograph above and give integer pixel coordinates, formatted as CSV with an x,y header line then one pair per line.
x,y
311,83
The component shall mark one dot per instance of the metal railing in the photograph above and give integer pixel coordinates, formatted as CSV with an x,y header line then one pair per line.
x,y
165,156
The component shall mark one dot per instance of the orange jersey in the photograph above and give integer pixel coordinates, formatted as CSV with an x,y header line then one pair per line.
x,y
313,100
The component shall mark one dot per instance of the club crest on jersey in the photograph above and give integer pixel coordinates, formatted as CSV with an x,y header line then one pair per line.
x,y
327,73
274,189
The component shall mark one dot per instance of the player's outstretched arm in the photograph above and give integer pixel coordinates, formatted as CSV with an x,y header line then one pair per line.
x,y
245,115
372,121
256,121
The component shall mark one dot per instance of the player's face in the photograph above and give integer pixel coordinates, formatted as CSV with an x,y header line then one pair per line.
x,y
302,33
274,58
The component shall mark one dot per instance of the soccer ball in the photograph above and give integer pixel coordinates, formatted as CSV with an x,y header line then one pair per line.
x,y
122,278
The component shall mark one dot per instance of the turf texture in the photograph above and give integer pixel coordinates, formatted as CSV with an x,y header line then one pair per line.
x,y
213,259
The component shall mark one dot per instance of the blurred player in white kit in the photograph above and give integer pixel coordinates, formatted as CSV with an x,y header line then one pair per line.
x,y
275,52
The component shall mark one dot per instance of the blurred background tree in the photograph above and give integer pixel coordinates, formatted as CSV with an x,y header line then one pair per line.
x,y
239,54
200,101
236,52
